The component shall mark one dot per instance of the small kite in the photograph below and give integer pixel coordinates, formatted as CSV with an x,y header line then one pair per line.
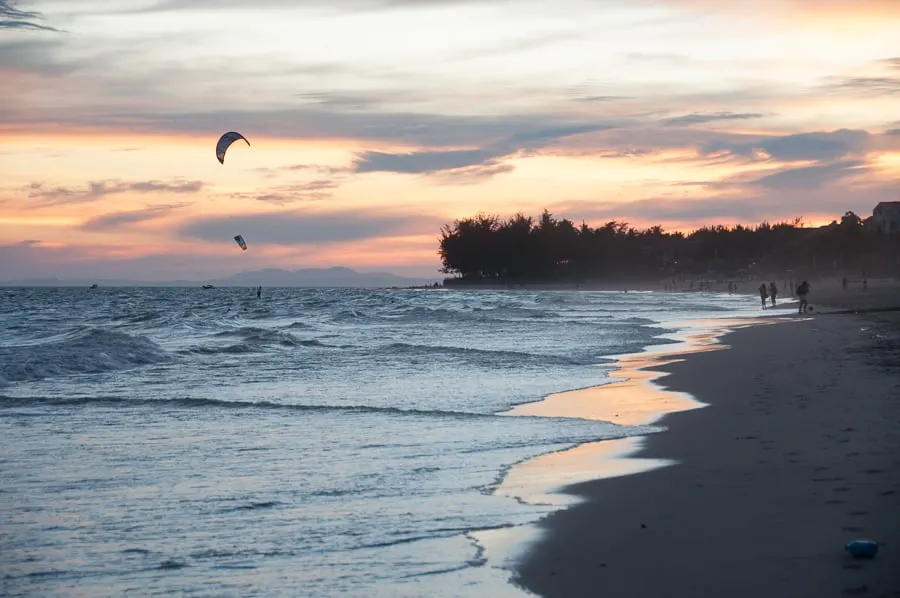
x,y
240,241
225,142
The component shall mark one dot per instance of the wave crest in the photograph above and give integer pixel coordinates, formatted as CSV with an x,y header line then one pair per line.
x,y
83,351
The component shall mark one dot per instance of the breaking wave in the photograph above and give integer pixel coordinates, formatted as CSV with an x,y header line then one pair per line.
x,y
86,350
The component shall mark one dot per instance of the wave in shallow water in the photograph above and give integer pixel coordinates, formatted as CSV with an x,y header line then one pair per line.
x,y
341,442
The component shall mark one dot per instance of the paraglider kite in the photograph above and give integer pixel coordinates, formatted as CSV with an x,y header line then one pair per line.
x,y
240,241
225,142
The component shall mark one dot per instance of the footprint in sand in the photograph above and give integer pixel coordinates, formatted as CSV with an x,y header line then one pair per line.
x,y
863,589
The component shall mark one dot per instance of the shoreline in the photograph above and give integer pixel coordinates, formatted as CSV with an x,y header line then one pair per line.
x,y
633,397
720,497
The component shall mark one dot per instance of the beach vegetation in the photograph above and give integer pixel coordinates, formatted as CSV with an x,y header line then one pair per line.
x,y
524,249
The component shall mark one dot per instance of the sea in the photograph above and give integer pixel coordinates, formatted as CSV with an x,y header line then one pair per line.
x,y
312,442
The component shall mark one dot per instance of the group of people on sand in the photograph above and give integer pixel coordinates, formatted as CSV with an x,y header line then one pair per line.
x,y
771,293
768,293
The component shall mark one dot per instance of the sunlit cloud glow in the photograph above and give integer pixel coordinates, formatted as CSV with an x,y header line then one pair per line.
x,y
372,122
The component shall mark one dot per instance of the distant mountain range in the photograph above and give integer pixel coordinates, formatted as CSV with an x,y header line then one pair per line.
x,y
269,277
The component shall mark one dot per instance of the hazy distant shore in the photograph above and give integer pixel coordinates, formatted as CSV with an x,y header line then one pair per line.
x,y
795,455
827,290
878,294
600,285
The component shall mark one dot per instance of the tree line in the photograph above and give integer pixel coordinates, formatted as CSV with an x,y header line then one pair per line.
x,y
522,249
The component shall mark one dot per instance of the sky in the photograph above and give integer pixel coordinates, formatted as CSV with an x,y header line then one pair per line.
x,y
373,122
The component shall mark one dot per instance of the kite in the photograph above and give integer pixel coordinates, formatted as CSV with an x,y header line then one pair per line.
x,y
240,241
225,142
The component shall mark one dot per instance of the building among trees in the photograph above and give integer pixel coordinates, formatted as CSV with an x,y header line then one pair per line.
x,y
886,217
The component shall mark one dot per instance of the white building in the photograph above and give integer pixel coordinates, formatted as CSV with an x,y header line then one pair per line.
x,y
886,216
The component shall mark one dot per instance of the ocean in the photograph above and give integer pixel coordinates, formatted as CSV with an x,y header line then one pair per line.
x,y
314,442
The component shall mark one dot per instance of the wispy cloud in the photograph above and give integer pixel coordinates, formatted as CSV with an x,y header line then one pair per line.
x,y
526,43
98,189
317,168
471,175
487,157
873,86
116,220
885,82
317,190
600,99
307,228
798,147
12,17
813,177
701,117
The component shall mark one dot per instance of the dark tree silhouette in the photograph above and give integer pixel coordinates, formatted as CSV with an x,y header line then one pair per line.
x,y
522,250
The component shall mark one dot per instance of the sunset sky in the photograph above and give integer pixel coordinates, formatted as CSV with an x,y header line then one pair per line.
x,y
373,122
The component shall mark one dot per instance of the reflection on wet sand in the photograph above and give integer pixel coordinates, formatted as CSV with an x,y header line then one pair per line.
x,y
633,399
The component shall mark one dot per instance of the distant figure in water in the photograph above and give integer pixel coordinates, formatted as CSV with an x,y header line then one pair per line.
x,y
802,292
259,291
763,294
773,292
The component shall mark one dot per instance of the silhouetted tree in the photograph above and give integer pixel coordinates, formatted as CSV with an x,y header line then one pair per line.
x,y
521,249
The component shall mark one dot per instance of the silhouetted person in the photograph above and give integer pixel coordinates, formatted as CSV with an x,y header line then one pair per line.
x,y
773,292
259,291
763,294
802,292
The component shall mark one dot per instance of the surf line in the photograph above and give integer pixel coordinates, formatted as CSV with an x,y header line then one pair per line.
x,y
633,398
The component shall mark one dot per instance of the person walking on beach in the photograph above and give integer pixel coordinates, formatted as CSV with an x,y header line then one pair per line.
x,y
763,294
773,292
802,292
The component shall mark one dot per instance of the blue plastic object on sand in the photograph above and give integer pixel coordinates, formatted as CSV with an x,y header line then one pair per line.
x,y
862,548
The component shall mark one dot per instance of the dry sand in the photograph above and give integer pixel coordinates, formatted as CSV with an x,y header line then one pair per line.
x,y
797,453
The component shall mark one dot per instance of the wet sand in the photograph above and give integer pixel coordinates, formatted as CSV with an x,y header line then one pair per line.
x,y
796,452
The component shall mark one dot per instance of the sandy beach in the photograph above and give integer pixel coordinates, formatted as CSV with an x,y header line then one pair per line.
x,y
796,453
